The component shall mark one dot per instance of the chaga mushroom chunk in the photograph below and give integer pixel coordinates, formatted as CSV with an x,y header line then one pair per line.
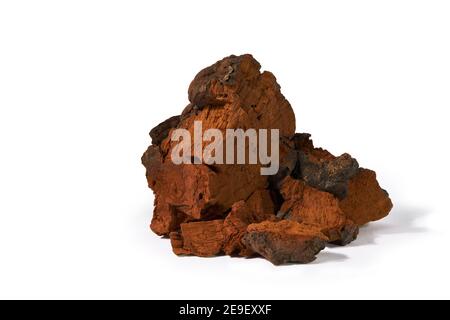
x,y
366,200
186,192
322,170
329,175
259,207
202,238
285,241
313,207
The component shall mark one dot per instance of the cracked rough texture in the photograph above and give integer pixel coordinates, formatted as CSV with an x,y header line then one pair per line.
x,y
202,238
310,206
285,241
209,210
322,170
259,207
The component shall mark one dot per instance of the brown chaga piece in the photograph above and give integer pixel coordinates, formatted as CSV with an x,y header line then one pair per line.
x,y
203,238
310,206
259,207
321,170
285,241
194,192
366,200
236,94
223,235
181,193
316,166
232,93
331,175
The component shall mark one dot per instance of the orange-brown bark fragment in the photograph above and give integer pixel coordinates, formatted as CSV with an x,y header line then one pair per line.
x,y
366,201
285,241
313,207
203,238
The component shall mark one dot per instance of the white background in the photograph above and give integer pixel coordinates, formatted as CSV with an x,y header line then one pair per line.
x,y
82,83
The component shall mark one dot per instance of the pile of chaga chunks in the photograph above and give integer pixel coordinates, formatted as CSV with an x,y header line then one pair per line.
x,y
207,210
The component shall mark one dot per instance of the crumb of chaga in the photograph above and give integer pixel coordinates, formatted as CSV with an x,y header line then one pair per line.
x,y
366,200
308,205
285,241
203,238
